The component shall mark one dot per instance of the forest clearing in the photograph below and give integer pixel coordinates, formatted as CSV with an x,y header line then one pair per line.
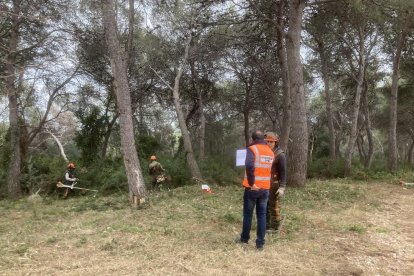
x,y
331,227
114,114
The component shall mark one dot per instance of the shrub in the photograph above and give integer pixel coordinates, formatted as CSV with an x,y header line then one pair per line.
x,y
326,168
219,171
42,171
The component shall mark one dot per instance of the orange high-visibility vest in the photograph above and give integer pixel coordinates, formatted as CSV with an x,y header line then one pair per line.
x,y
263,159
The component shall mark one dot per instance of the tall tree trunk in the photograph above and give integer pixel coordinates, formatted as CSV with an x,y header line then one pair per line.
x,y
392,132
202,129
298,148
339,132
327,90
282,57
312,145
411,149
188,147
13,177
246,127
368,128
410,153
132,167
356,106
130,48
361,150
107,135
196,87
246,115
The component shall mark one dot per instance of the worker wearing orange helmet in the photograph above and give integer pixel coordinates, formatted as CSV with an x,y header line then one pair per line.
x,y
155,171
70,179
278,182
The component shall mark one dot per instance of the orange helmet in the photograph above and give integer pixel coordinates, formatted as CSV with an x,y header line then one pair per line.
x,y
71,166
153,157
271,136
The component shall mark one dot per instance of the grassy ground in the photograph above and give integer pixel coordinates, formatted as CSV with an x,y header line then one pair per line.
x,y
335,227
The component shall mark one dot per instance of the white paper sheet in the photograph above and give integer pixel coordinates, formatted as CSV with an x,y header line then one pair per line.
x,y
240,157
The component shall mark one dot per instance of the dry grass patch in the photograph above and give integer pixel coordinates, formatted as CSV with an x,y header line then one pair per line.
x,y
329,228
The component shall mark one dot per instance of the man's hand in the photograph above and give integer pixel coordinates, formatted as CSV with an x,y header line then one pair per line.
x,y
255,188
280,192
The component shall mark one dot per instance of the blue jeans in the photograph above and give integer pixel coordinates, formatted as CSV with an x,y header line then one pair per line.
x,y
250,200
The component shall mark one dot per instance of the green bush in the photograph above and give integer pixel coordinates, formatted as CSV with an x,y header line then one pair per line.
x,y
220,172
147,146
326,168
108,176
42,172
177,169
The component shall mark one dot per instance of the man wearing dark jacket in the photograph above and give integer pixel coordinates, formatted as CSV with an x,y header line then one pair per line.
x,y
256,183
70,179
278,182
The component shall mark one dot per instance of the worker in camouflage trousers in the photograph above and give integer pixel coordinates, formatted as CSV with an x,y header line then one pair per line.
x,y
155,171
278,183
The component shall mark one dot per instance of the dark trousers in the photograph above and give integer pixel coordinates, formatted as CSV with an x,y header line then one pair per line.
x,y
252,199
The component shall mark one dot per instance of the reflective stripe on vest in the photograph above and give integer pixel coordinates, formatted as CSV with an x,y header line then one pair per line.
x,y
263,159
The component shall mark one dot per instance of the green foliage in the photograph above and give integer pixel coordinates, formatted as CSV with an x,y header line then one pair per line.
x,y
147,146
114,179
90,136
42,171
326,168
4,157
108,176
176,168
219,172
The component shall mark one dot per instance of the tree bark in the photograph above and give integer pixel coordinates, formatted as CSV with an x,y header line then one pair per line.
x,y
61,149
196,87
411,149
298,149
202,130
246,111
356,105
361,150
13,177
410,154
188,147
392,162
339,133
130,49
282,57
368,128
327,90
132,166
107,135
246,127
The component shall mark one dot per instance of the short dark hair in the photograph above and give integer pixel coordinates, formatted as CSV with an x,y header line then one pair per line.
x,y
257,135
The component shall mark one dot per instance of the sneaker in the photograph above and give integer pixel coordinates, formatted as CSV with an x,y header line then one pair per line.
x,y
260,248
